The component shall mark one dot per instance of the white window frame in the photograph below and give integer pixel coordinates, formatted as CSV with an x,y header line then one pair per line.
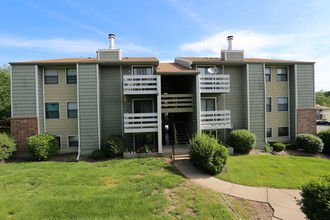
x,y
279,133
153,104
215,102
287,73
59,110
270,74
66,76
287,98
141,66
67,115
44,77
204,66
68,141
271,103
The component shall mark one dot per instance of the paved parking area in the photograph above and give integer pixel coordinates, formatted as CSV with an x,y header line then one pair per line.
x,y
322,127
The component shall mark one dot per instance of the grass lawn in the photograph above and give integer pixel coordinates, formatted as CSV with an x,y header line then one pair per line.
x,y
273,171
117,189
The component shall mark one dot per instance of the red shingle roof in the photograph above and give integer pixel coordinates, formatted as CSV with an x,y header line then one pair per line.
x,y
173,68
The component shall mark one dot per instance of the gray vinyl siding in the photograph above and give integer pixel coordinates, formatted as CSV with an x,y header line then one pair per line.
x,y
24,91
232,55
257,102
88,114
110,55
111,94
235,100
292,99
41,100
305,85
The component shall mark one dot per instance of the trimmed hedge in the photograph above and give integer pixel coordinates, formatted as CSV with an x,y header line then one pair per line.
x,y
207,154
43,146
291,146
7,146
113,146
325,137
315,202
98,155
242,140
278,147
309,143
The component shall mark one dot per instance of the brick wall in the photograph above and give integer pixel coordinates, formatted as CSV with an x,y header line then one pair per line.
x,y
22,128
306,121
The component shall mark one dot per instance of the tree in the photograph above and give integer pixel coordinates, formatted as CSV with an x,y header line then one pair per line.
x,y
323,98
4,96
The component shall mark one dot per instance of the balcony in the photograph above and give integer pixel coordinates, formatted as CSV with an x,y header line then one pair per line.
x,y
140,84
214,83
140,122
211,120
177,103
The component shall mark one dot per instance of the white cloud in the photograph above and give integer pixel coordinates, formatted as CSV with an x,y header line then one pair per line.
x,y
297,46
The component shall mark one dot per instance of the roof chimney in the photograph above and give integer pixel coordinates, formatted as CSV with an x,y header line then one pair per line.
x,y
230,40
112,41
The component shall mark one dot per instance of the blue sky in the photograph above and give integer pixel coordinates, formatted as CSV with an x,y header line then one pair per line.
x,y
282,29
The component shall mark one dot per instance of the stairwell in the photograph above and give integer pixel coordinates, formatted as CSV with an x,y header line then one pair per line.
x,y
181,133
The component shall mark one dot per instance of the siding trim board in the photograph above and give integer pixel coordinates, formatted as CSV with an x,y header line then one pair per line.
x,y
248,95
37,95
78,109
98,104
11,92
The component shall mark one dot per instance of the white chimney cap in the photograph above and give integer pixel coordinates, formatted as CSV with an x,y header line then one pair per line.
x,y
112,41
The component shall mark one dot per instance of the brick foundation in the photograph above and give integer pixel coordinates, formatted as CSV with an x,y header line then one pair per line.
x,y
306,121
22,128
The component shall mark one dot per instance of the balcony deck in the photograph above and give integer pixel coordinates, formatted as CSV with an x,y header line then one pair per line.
x,y
140,84
140,122
214,83
177,103
211,120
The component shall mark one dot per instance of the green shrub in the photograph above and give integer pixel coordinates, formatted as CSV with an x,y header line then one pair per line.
x,y
98,155
207,154
113,146
278,147
291,146
43,146
315,198
325,137
268,148
242,141
7,146
309,143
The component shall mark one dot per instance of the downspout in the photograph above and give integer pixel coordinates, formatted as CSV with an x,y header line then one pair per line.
x,y
79,149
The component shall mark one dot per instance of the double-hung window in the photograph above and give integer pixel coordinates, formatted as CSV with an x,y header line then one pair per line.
x,y
282,74
52,110
51,76
268,104
269,132
73,141
282,104
268,74
71,76
72,111
143,106
283,131
142,70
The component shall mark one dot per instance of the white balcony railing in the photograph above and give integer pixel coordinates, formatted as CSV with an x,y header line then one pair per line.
x,y
211,120
140,84
177,103
140,122
214,83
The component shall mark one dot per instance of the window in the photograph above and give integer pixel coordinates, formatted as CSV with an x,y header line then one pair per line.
x,y
51,76
71,76
52,110
282,74
72,110
268,104
283,131
73,141
143,106
59,141
203,70
208,104
269,132
282,104
142,70
267,74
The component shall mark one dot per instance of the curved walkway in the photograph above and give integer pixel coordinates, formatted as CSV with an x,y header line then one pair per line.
x,y
283,201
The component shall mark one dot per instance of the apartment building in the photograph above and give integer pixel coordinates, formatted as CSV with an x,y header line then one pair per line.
x,y
82,100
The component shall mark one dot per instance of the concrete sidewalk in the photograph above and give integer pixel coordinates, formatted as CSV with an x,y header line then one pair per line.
x,y
283,201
